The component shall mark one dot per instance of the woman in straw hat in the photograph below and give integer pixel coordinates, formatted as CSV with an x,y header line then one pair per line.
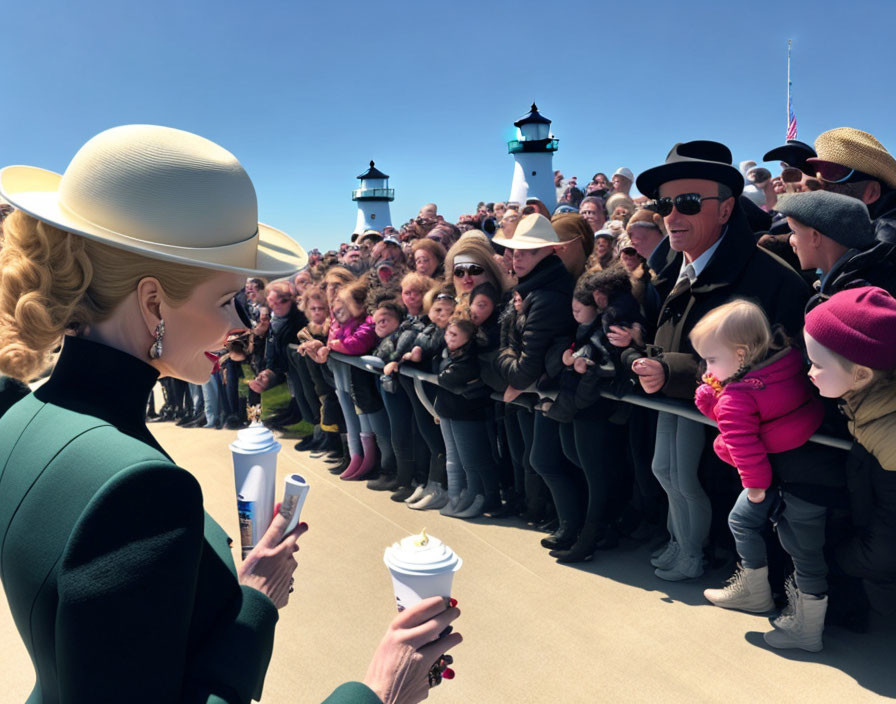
x,y
121,586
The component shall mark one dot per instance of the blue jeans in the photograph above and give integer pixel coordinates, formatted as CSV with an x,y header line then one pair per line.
x,y
676,460
473,442
401,420
198,399
212,392
343,383
747,522
800,528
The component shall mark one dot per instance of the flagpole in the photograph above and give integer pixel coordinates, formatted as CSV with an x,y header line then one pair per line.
x,y
788,86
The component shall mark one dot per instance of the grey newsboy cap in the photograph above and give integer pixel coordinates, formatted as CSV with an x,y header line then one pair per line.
x,y
842,218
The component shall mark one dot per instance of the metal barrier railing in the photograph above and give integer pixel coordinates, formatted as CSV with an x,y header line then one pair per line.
x,y
680,408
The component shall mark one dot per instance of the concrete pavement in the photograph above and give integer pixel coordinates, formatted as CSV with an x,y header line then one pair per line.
x,y
535,631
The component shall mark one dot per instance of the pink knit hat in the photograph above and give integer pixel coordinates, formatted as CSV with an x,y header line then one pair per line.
x,y
858,324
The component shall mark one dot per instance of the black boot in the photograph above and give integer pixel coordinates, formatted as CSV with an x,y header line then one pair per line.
x,y
562,539
583,549
306,442
346,457
403,480
331,445
197,421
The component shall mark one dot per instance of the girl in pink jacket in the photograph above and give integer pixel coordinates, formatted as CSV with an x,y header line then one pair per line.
x,y
762,403
352,333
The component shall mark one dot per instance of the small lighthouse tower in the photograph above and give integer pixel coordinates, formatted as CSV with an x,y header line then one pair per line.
x,y
533,153
373,198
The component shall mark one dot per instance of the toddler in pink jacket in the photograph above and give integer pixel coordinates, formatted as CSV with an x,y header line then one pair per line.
x,y
762,403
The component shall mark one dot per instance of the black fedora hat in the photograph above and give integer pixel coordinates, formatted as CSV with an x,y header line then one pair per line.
x,y
794,153
698,159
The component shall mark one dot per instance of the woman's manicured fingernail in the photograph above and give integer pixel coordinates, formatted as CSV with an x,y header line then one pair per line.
x,y
445,632
452,603
303,525
448,673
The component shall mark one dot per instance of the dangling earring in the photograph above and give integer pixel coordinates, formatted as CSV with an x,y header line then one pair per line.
x,y
155,351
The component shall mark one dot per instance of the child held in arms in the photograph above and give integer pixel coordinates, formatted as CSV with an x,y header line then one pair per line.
x,y
757,393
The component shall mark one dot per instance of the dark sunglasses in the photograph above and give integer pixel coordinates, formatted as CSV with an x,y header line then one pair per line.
x,y
837,173
462,270
686,203
630,251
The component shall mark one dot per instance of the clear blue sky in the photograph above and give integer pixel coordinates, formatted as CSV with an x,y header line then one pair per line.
x,y
306,93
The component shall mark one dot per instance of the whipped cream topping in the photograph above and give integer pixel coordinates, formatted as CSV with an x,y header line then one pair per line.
x,y
421,554
254,440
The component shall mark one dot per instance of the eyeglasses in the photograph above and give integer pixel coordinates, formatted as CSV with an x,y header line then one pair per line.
x,y
830,172
462,270
686,203
353,248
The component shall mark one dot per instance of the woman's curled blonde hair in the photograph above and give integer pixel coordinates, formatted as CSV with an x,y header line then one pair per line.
x,y
52,281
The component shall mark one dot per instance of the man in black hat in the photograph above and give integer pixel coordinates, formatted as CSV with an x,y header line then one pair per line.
x,y
716,260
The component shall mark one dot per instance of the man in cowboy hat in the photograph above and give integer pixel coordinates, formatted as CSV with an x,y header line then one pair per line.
x,y
855,164
544,315
715,259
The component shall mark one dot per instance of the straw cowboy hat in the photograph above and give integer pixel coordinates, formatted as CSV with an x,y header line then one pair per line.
x,y
857,150
160,192
532,232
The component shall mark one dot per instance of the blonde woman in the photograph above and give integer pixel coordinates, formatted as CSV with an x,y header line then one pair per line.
x,y
120,584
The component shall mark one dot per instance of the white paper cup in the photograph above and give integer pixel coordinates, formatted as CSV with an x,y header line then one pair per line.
x,y
421,566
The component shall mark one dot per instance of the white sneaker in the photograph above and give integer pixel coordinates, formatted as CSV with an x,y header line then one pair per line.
x,y
437,498
418,493
668,557
746,590
685,567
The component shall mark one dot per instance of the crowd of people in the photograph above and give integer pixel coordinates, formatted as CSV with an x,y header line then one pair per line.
x,y
762,300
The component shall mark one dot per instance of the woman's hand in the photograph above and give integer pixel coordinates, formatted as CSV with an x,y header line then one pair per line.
x,y
417,354
567,358
390,368
399,671
269,567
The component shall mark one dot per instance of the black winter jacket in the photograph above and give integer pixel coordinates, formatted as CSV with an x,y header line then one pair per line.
x,y
281,333
461,394
545,317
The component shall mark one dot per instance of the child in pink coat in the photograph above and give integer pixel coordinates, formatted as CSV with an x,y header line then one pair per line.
x,y
762,403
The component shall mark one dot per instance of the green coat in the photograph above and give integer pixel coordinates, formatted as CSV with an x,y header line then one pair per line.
x,y
121,586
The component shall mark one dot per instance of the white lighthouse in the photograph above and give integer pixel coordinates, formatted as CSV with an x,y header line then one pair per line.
x,y
533,154
373,198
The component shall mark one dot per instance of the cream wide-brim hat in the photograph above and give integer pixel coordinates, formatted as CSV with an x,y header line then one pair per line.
x,y
160,192
532,232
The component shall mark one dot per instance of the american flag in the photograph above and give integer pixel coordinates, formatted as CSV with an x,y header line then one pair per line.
x,y
791,121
